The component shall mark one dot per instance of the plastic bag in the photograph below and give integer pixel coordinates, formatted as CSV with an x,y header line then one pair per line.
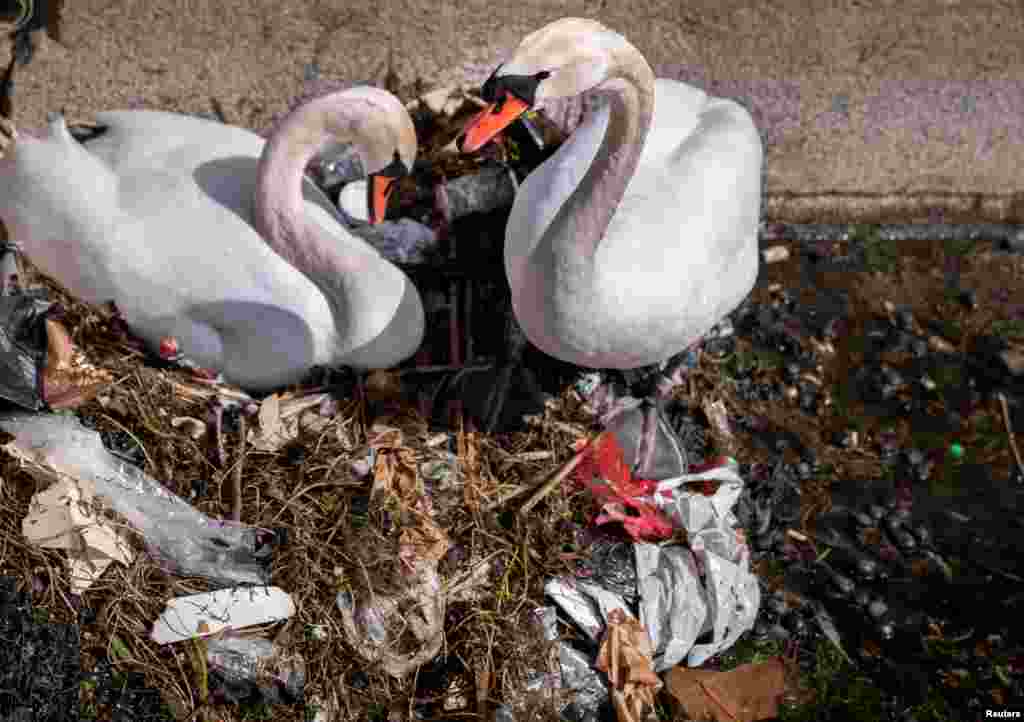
x,y
684,592
22,335
248,666
176,534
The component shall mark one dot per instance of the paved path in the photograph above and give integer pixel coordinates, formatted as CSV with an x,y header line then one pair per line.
x,y
873,111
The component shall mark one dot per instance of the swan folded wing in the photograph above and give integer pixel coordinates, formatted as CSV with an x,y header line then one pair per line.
x,y
185,245
139,139
677,115
222,158
681,249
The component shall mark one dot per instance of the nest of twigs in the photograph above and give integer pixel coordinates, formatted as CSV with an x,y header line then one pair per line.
x,y
344,510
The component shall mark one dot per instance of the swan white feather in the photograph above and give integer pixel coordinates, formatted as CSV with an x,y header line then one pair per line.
x,y
678,248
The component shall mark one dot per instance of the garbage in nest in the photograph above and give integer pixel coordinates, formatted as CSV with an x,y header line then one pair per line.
x,y
284,417
201,615
625,656
384,626
445,101
337,164
63,517
187,541
570,669
618,495
400,241
748,693
243,669
491,188
39,366
702,590
375,622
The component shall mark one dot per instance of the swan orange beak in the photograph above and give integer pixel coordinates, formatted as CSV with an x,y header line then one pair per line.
x,y
490,121
378,190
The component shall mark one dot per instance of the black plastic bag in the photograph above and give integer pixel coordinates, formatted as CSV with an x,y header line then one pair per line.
x,y
23,339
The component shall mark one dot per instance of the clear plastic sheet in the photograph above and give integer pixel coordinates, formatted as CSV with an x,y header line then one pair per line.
x,y
398,631
248,666
179,536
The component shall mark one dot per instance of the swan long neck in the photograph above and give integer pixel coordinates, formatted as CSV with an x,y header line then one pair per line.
x,y
279,212
629,91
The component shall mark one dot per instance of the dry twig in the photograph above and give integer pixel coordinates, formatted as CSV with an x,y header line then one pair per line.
x,y
236,508
1009,433
548,486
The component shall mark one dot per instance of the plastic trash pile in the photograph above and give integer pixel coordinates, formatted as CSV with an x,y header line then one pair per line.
x,y
667,603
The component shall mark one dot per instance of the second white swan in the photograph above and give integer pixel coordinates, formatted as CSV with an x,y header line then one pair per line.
x,y
640,233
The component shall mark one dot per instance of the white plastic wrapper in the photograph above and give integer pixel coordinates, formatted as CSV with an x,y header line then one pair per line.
x,y
683,592
730,592
588,605
673,606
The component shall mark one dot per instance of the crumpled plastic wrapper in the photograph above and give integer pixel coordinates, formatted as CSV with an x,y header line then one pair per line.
x,y
336,165
730,591
404,629
23,348
400,241
491,188
247,666
573,670
608,563
416,612
587,605
176,534
579,675
683,592
39,366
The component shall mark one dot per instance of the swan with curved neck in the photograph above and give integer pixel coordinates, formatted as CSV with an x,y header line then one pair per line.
x,y
640,232
208,235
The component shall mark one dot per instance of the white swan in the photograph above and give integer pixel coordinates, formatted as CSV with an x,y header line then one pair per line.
x,y
640,233
208,235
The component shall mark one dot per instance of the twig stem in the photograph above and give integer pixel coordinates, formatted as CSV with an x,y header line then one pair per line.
x,y
1009,433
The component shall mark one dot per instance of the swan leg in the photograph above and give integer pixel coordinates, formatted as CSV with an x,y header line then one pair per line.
x,y
653,459
649,445
637,418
